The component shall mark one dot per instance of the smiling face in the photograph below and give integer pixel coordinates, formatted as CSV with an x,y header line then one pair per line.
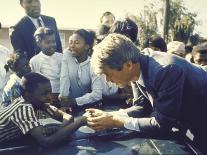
x,y
31,7
78,46
48,44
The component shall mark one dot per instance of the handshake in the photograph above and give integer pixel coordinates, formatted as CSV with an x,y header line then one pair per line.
x,y
99,120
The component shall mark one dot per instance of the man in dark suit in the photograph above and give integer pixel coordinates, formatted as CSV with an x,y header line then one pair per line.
x,y
175,89
22,34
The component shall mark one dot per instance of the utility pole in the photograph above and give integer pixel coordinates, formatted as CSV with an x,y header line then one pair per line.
x,y
166,19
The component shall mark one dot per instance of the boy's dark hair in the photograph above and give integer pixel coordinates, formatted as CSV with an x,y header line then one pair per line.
x,y
14,60
41,32
87,35
158,42
126,27
31,81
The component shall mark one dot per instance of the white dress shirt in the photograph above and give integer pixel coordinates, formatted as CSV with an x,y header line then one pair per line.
x,y
130,122
49,66
78,81
35,22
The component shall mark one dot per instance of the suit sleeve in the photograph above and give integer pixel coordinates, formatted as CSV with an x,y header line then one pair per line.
x,y
17,40
58,41
169,84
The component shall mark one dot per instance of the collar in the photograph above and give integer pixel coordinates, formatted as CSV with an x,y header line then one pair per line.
x,y
34,19
140,80
84,62
46,56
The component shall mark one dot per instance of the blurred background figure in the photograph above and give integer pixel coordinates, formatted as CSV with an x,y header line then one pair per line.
x,y
107,19
102,32
157,43
125,27
177,48
199,56
19,65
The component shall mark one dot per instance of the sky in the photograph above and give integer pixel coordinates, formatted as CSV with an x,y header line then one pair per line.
x,y
86,13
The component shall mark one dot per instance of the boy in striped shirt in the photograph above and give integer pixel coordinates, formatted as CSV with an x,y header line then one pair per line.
x,y
19,118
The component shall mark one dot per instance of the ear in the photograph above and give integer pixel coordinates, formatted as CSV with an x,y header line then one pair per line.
x,y
128,65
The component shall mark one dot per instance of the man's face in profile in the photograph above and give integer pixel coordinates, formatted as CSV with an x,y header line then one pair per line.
x,y
120,77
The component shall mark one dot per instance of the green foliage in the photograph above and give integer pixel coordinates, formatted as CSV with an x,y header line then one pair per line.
x,y
147,23
181,21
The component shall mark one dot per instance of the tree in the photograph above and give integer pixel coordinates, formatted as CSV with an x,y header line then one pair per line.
x,y
147,23
181,21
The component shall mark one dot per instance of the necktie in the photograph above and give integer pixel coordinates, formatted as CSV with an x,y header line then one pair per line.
x,y
143,90
39,22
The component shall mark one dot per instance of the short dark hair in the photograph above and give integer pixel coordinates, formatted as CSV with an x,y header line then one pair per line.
x,y
126,27
158,42
30,81
114,51
88,36
202,49
41,32
106,14
14,59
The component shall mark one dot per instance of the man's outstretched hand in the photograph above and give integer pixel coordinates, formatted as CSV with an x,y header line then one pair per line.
x,y
99,120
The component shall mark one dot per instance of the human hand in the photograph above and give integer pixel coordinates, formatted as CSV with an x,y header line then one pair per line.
x,y
94,112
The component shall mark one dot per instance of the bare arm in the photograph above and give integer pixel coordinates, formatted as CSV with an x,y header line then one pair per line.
x,y
62,134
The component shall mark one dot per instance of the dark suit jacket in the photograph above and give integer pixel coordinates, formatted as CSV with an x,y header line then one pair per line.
x,y
22,35
178,89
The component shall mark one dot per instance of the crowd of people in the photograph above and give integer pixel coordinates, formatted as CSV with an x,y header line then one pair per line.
x,y
164,86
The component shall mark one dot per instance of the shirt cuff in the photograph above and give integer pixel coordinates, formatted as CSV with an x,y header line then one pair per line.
x,y
131,123
121,113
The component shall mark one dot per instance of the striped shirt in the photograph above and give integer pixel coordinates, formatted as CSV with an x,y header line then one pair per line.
x,y
17,119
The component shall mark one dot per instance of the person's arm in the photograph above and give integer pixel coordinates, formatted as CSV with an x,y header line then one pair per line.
x,y
64,77
96,91
17,40
57,114
62,134
167,106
